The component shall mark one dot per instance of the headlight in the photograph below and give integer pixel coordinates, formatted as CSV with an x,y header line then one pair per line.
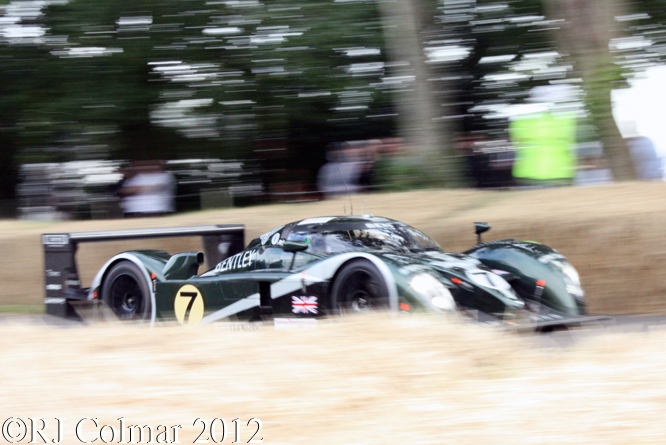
x,y
568,270
571,279
430,287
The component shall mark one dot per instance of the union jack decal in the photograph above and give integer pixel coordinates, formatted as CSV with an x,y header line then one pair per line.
x,y
304,305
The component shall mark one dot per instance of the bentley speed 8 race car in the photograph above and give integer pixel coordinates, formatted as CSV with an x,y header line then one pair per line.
x,y
319,267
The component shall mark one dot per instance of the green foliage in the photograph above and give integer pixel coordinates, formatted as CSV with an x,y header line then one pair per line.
x,y
111,70
409,173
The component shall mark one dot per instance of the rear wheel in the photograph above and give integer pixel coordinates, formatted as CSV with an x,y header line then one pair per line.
x,y
126,292
359,288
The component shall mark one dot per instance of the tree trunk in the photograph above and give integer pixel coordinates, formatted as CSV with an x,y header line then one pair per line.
x,y
421,116
586,30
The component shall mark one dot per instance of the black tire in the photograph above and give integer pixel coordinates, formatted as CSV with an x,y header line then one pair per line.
x,y
126,292
359,288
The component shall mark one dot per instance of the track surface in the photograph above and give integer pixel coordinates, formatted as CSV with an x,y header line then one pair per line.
x,y
617,324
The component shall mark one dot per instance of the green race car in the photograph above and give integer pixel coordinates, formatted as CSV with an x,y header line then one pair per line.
x,y
320,267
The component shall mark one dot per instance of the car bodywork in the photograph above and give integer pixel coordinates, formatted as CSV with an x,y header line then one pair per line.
x,y
324,266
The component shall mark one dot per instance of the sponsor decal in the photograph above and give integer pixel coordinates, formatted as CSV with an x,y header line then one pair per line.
x,y
243,259
389,226
295,323
275,239
54,301
55,240
188,305
266,236
321,220
52,273
53,286
304,305
574,290
239,327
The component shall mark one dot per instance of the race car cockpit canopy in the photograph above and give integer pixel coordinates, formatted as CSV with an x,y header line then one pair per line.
x,y
329,236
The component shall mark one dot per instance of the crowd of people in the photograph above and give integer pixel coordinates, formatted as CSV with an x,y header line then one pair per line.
x,y
544,150
541,151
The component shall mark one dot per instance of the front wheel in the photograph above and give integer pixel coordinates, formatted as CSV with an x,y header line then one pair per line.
x,y
359,288
126,292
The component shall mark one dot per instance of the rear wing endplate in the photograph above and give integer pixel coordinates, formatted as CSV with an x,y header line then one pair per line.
x,y
61,274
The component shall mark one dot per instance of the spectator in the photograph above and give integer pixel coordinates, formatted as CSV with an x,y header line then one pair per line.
x,y
342,172
369,156
148,191
647,163
544,141
593,167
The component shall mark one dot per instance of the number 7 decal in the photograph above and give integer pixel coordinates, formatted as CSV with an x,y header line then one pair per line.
x,y
188,305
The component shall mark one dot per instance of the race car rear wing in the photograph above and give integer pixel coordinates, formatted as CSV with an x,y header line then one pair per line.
x,y
62,282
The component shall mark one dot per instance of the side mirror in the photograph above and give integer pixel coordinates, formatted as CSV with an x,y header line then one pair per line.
x,y
294,246
479,228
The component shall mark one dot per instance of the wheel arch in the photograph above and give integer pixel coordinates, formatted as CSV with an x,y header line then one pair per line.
x,y
384,270
104,271
532,263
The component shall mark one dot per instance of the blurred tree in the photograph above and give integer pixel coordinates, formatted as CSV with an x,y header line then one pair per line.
x,y
584,32
423,113
174,78
609,41
317,67
169,79
488,54
110,69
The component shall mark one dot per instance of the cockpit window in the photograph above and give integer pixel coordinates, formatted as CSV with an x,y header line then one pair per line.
x,y
389,237
422,239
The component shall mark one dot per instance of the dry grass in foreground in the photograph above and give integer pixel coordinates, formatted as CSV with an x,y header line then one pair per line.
x,y
370,380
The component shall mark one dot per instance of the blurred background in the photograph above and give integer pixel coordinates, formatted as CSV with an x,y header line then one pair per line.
x,y
194,104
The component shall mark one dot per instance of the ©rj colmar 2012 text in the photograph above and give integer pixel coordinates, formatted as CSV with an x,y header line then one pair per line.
x,y
90,430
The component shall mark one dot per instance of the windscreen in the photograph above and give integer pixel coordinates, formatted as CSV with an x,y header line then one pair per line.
x,y
388,237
